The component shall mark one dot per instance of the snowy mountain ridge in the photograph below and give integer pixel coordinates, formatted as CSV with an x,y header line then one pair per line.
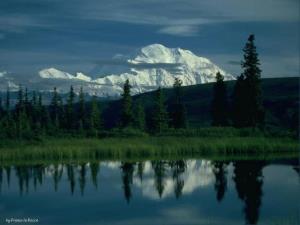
x,y
146,69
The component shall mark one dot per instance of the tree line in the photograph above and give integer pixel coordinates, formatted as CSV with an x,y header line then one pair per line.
x,y
31,118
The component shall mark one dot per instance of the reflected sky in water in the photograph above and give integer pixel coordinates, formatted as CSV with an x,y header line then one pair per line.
x,y
153,192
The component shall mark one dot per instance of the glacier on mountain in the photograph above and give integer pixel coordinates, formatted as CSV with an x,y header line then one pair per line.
x,y
146,69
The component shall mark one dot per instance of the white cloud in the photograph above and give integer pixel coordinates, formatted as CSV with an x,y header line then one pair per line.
x,y
191,12
180,30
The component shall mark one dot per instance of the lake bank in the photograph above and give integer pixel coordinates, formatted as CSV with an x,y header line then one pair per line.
x,y
149,148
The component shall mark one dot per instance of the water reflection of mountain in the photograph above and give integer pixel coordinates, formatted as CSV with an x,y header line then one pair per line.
x,y
154,180
177,177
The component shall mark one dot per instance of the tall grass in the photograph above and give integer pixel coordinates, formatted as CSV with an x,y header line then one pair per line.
x,y
150,147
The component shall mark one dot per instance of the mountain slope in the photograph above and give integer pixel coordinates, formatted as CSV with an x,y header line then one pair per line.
x,y
280,95
147,69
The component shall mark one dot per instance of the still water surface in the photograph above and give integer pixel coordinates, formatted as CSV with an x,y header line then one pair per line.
x,y
181,192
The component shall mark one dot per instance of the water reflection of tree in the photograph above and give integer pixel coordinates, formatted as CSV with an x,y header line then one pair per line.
x,y
127,169
95,167
160,168
249,181
8,170
220,172
140,170
71,177
57,176
24,174
38,174
1,178
178,167
81,179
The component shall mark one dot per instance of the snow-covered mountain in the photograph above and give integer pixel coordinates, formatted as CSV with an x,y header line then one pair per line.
x,y
6,82
147,68
52,73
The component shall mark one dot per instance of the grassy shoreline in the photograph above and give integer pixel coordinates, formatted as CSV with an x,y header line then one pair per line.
x,y
74,149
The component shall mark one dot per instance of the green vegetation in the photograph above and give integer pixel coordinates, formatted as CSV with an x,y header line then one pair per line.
x,y
148,147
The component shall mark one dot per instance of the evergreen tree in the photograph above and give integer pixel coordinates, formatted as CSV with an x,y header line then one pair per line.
x,y
39,110
81,111
126,114
219,103
139,117
54,109
70,109
23,126
178,113
239,111
2,132
1,109
95,118
34,99
44,117
252,75
27,103
61,112
7,102
160,116
8,124
20,103
34,113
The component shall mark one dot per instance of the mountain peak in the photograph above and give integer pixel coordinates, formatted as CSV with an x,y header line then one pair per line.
x,y
3,73
146,69
55,74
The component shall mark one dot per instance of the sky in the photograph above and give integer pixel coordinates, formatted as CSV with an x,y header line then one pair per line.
x,y
77,35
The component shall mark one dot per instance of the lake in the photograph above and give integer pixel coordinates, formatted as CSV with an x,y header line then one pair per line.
x,y
179,192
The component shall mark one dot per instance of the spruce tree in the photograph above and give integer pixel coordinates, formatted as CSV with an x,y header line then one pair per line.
x,y
160,116
219,103
7,102
44,117
54,111
1,109
36,114
252,85
95,118
178,113
139,117
23,126
81,111
126,114
70,117
239,110
61,112
9,124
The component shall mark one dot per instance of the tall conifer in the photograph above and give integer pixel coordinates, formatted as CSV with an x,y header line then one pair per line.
x,y
252,74
219,103
126,114
178,114
160,115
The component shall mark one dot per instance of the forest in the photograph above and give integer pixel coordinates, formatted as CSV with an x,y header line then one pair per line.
x,y
244,115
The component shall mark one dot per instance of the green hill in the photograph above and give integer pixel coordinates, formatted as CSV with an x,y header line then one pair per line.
x,y
280,97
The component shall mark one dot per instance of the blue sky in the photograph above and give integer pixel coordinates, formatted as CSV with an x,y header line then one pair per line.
x,y
76,35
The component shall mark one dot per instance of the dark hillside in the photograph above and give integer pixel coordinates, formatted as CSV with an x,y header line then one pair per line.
x,y
281,99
